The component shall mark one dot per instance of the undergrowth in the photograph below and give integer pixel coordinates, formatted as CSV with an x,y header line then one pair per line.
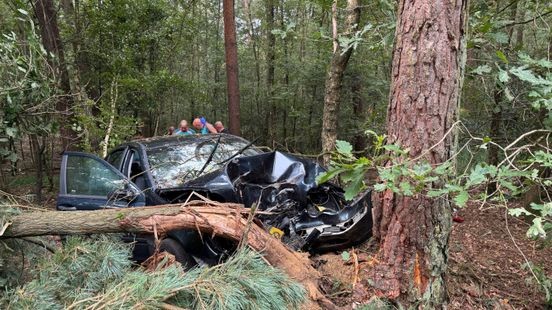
x,y
96,273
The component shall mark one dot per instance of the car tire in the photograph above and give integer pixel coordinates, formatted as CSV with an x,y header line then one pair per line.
x,y
175,248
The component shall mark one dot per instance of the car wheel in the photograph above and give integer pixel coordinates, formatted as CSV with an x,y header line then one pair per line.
x,y
175,248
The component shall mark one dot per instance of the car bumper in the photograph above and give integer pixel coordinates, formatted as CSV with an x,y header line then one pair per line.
x,y
330,232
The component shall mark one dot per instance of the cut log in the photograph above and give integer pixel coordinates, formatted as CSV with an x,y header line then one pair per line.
x,y
225,220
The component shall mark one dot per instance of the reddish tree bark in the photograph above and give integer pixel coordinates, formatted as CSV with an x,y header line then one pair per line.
x,y
334,81
428,62
231,52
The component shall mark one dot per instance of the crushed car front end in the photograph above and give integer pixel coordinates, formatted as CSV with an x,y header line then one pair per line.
x,y
305,215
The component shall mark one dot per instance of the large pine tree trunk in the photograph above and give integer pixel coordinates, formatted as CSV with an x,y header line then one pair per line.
x,y
231,52
427,73
334,81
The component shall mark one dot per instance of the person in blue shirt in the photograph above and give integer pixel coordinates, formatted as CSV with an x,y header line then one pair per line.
x,y
202,126
183,129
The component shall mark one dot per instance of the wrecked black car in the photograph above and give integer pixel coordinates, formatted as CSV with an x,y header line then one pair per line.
x,y
223,168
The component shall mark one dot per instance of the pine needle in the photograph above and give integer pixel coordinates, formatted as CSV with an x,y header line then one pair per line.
x,y
96,273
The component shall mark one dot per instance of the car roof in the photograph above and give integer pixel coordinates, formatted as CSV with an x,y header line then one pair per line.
x,y
162,141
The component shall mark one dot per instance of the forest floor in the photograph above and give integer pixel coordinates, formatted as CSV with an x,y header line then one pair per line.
x,y
485,264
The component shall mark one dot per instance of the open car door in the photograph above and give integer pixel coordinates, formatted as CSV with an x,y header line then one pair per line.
x,y
90,183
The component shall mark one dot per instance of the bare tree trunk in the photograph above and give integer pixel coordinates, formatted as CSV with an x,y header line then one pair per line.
x,y
428,65
77,41
359,140
50,164
270,58
49,31
497,105
494,132
334,81
253,39
216,66
232,82
46,164
223,220
112,111
83,89
520,28
334,26
286,76
39,161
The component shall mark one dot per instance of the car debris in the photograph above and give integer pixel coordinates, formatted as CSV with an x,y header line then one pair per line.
x,y
303,214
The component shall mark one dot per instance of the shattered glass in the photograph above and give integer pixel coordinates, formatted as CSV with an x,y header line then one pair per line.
x,y
173,165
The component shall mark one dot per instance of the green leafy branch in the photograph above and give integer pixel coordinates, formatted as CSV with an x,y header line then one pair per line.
x,y
28,88
402,175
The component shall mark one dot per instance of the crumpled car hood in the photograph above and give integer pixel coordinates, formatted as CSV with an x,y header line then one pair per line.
x,y
285,185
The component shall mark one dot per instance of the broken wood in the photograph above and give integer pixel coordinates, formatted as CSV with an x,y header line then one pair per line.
x,y
217,219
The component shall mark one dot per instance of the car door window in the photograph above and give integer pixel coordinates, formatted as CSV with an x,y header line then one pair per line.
x,y
116,158
134,165
135,171
89,176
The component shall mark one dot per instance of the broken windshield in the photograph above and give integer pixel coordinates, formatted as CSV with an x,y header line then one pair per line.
x,y
174,164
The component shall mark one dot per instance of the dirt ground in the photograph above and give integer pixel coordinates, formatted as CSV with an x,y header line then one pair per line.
x,y
485,264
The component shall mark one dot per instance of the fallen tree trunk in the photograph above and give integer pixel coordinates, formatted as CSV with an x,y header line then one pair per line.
x,y
223,220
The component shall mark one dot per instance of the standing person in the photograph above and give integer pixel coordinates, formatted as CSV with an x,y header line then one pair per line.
x,y
202,126
183,129
220,127
170,131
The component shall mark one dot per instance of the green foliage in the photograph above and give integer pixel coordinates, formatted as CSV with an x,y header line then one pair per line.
x,y
537,74
345,256
90,271
350,169
344,147
93,128
378,304
97,273
347,43
482,69
9,267
243,282
507,76
540,212
27,87
403,175
542,280
542,219
168,59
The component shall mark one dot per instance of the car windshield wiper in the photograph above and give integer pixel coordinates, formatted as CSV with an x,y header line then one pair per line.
x,y
240,151
210,156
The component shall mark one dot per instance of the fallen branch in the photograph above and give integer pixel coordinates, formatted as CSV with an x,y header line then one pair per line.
x,y
218,219
41,243
356,267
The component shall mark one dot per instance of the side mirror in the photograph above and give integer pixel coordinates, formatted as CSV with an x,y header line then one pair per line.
x,y
127,194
